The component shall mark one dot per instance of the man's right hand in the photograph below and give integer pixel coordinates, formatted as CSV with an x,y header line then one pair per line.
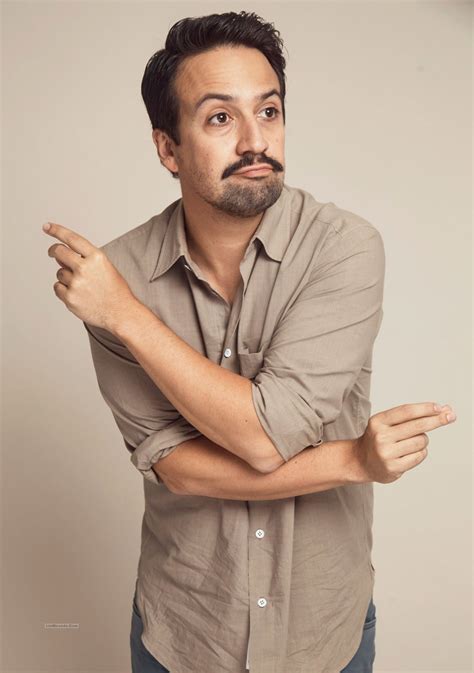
x,y
395,440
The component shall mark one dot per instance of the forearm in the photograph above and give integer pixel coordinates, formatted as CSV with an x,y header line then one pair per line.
x,y
200,467
214,400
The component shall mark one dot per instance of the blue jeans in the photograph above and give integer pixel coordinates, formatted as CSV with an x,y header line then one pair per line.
x,y
144,662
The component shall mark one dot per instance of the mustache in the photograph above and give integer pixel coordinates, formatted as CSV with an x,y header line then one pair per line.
x,y
248,160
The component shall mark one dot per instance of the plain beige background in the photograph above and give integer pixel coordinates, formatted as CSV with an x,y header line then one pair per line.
x,y
378,121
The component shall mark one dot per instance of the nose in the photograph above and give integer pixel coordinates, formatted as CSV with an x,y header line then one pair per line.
x,y
251,137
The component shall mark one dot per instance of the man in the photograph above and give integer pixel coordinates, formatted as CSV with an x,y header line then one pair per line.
x,y
232,338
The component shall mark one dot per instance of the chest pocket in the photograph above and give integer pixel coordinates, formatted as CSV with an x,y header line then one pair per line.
x,y
250,363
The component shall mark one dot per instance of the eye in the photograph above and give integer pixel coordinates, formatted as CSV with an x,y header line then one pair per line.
x,y
274,109
219,114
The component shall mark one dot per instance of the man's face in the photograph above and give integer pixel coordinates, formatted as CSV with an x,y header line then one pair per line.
x,y
219,137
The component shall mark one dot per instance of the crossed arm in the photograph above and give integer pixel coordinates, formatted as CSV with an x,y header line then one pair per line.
x,y
238,438
200,467
167,449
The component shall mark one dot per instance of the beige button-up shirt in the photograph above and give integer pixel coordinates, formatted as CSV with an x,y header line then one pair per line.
x,y
277,586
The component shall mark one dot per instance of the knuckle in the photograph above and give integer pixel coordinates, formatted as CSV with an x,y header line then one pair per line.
x,y
421,455
372,423
97,254
393,473
380,438
377,418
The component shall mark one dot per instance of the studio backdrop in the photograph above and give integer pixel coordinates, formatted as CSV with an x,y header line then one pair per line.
x,y
378,121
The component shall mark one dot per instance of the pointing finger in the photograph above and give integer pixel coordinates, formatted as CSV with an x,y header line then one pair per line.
x,y
74,240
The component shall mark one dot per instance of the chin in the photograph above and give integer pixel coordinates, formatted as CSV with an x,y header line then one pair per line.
x,y
243,199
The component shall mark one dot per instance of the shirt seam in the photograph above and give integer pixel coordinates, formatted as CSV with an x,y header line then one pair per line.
x,y
365,224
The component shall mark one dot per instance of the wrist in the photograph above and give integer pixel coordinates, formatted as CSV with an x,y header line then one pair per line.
x,y
126,320
357,471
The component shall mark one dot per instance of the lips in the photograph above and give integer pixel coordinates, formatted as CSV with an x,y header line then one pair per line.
x,y
257,169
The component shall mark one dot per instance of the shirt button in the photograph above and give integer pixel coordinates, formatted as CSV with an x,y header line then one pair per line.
x,y
227,353
262,602
259,533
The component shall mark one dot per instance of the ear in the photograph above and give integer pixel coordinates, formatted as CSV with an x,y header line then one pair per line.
x,y
164,148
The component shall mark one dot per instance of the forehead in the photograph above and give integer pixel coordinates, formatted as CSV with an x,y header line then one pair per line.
x,y
239,71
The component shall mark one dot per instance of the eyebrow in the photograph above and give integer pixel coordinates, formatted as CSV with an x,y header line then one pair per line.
x,y
227,97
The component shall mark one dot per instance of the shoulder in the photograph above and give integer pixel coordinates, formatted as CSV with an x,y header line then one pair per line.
x,y
329,219
346,224
324,232
138,248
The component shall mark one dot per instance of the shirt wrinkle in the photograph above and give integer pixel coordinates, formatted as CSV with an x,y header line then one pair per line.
x,y
282,583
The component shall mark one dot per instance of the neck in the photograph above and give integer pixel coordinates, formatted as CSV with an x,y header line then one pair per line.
x,y
216,240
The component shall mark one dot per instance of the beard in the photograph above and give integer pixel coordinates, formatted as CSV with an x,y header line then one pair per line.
x,y
247,200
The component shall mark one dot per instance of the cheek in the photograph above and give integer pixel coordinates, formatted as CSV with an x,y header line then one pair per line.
x,y
208,160
280,150
280,141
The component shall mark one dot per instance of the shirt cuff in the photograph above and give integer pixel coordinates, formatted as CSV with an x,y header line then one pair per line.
x,y
291,429
158,445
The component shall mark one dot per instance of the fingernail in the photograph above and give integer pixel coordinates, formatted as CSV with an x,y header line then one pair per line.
x,y
451,417
46,226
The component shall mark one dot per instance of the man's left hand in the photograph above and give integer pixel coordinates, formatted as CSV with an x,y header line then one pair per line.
x,y
88,283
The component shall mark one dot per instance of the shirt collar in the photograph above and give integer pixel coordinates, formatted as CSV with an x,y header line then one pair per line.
x,y
273,232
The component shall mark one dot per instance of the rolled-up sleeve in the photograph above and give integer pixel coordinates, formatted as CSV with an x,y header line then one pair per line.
x,y
322,342
150,426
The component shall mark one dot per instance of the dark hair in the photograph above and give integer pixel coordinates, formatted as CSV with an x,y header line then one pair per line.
x,y
195,35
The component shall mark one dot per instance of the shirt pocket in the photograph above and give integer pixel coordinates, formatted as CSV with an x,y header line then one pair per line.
x,y
251,363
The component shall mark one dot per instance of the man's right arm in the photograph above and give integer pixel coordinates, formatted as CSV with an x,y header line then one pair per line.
x,y
394,441
201,467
